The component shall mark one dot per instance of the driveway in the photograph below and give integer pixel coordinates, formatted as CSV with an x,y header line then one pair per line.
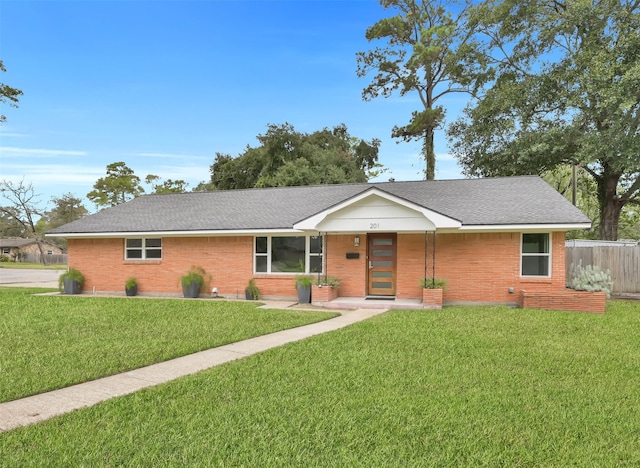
x,y
31,278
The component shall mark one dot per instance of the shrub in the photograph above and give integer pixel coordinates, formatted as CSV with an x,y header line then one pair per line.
x,y
591,278
4,258
130,283
197,274
433,283
303,281
252,291
331,281
72,273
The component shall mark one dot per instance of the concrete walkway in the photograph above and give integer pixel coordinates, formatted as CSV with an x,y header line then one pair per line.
x,y
41,407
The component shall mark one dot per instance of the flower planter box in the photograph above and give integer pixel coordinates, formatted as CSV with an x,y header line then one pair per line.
x,y
431,298
565,299
323,293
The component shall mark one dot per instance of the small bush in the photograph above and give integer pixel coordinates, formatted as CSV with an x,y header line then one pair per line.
x,y
331,281
4,259
252,291
433,283
591,278
303,281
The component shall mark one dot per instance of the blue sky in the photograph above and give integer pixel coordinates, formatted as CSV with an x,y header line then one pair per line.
x,y
164,85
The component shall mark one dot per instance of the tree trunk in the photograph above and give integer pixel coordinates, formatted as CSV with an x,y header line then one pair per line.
x,y
44,259
610,205
429,154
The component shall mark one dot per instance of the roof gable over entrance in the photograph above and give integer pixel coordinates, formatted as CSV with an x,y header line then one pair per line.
x,y
376,210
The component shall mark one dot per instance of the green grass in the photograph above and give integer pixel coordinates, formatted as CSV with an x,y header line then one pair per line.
x,y
31,266
476,386
55,341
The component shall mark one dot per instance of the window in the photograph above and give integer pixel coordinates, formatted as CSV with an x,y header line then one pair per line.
x,y
49,252
290,254
143,249
6,250
536,254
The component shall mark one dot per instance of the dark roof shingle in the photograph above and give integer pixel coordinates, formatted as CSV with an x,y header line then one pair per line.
x,y
491,201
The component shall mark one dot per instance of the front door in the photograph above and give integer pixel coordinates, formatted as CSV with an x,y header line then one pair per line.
x,y
382,265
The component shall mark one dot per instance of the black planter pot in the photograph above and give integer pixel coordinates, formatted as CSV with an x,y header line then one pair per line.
x,y
304,294
132,291
191,290
71,286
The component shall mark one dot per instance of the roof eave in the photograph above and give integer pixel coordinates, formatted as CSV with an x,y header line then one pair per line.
x,y
199,233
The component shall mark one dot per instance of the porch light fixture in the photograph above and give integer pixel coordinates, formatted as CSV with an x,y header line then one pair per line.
x,y
356,241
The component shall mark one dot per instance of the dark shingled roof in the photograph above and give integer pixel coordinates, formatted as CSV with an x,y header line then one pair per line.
x,y
491,201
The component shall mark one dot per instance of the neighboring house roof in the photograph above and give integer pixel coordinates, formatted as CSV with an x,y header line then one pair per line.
x,y
16,243
508,201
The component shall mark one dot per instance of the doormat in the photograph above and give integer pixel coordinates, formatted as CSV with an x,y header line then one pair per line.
x,y
380,298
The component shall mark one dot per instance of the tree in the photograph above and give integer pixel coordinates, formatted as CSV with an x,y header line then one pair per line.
x,y
67,208
287,157
8,94
23,209
167,186
119,186
425,41
562,86
9,227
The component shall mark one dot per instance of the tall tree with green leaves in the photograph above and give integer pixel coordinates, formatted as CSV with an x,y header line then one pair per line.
x,y
166,186
66,208
8,94
562,86
424,43
287,157
119,186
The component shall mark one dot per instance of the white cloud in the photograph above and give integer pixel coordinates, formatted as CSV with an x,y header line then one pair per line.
x,y
15,152
169,156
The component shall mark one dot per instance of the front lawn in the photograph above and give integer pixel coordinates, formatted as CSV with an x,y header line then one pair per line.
x,y
55,341
463,386
32,266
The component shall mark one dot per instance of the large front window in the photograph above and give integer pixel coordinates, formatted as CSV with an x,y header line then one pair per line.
x,y
143,249
536,254
288,254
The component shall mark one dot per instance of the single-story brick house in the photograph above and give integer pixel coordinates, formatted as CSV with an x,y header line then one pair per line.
x,y
491,239
14,247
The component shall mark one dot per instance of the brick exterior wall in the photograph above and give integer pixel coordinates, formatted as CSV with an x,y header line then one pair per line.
x,y
566,299
478,267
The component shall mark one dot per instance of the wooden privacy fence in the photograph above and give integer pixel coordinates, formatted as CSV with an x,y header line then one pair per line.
x,y
623,262
37,258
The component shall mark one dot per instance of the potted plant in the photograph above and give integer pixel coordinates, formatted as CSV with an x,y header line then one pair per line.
x,y
193,281
131,287
71,282
251,292
303,286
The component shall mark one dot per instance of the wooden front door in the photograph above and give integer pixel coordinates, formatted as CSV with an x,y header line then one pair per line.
x,y
382,264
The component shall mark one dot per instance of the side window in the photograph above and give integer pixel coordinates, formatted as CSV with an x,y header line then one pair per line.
x,y
536,254
143,249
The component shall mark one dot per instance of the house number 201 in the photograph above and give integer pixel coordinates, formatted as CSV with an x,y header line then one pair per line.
x,y
374,225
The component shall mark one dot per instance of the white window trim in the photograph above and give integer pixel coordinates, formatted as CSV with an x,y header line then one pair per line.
x,y
307,255
543,254
144,249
